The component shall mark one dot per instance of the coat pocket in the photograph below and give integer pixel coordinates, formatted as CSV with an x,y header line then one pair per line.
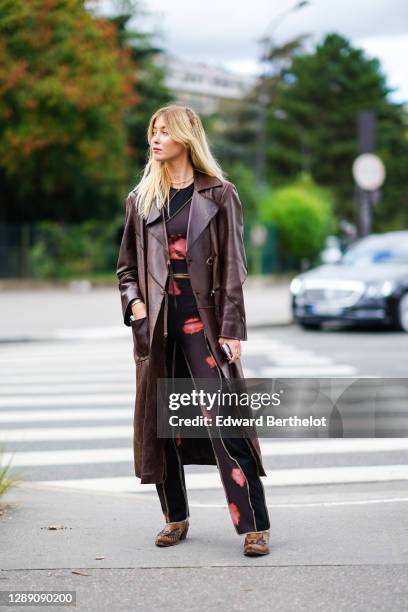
x,y
140,330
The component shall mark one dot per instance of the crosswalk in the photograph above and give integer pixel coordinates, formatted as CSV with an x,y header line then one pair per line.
x,y
287,360
66,419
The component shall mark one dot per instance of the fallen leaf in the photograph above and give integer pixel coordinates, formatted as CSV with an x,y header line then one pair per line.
x,y
79,572
100,557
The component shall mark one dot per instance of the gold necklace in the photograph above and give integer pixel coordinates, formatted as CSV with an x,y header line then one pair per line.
x,y
184,181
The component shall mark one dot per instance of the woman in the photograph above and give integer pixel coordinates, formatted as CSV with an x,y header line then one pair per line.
x,y
181,267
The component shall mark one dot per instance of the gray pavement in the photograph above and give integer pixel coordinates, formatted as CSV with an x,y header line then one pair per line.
x,y
29,313
324,556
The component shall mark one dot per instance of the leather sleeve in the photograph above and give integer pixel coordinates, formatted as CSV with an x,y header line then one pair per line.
x,y
234,267
126,269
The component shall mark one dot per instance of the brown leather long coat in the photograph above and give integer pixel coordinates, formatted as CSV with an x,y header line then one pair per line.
x,y
217,264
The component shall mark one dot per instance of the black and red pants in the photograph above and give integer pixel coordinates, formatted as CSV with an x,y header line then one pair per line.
x,y
234,456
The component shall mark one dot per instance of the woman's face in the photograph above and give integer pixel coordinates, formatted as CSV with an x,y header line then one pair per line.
x,y
163,147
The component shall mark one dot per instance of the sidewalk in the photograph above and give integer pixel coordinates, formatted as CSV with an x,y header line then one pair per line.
x,y
325,555
53,313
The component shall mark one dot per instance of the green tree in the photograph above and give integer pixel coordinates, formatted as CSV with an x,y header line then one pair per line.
x,y
69,92
302,211
244,179
235,127
151,89
65,86
313,124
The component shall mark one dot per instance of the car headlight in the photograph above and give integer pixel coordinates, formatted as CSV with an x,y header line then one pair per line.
x,y
375,290
295,285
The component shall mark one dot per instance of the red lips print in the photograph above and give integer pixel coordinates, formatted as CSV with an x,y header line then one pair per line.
x,y
211,361
234,512
173,287
206,412
238,476
193,325
177,247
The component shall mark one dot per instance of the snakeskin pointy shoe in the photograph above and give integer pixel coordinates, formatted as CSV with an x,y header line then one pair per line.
x,y
256,543
172,534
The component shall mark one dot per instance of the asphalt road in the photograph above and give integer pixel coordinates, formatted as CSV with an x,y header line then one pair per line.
x,y
371,351
339,535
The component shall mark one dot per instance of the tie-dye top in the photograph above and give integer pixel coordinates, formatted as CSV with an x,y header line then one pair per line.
x,y
176,225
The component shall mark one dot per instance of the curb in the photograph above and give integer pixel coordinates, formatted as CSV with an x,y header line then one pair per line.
x,y
255,281
24,338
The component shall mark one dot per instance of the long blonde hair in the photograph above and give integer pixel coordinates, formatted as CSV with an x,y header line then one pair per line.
x,y
184,126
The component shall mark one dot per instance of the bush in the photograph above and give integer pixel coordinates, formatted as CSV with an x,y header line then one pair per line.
x,y
62,250
303,213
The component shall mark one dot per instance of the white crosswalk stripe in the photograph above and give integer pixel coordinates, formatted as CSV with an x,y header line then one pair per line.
x,y
66,412
269,449
288,477
291,361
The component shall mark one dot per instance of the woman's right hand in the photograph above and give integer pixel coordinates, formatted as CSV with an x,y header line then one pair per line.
x,y
139,310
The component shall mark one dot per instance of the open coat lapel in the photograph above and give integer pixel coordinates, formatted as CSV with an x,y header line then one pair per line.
x,y
202,210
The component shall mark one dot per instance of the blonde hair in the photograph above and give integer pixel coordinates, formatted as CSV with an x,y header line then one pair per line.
x,y
184,126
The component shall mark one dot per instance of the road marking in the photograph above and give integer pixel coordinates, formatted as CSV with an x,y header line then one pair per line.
x,y
354,502
294,359
152,495
69,400
276,478
290,361
114,331
307,371
46,390
67,376
87,363
74,414
105,351
66,433
49,375
269,449
80,456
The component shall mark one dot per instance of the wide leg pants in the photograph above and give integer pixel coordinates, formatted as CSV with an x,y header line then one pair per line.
x,y
235,460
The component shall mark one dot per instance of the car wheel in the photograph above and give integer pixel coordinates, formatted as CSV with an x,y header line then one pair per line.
x,y
402,313
309,325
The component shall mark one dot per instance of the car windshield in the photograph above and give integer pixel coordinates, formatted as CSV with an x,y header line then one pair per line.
x,y
377,251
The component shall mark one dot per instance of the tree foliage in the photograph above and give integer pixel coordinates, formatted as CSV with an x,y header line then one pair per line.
x,y
70,88
312,125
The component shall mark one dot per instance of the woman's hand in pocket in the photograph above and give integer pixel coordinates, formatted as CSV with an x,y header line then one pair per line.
x,y
139,310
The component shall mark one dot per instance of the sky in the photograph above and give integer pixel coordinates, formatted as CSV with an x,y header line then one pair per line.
x,y
226,32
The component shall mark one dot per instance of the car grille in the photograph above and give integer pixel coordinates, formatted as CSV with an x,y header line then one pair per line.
x,y
341,293
323,295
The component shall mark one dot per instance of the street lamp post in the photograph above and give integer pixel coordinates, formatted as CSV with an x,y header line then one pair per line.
x,y
263,98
